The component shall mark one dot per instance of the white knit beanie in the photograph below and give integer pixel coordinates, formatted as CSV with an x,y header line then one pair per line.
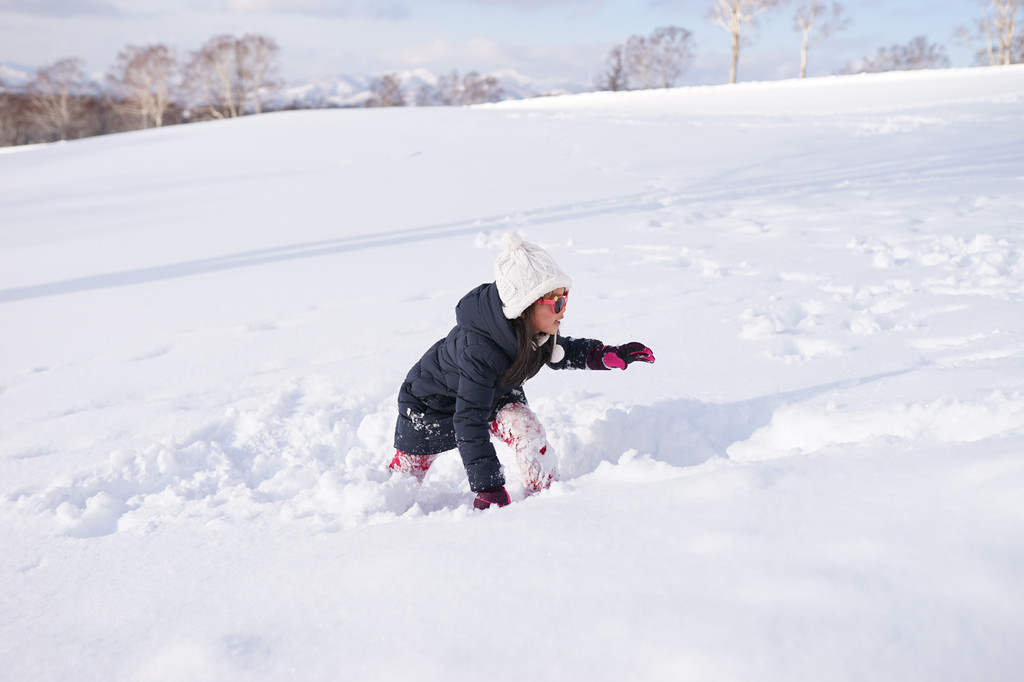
x,y
524,272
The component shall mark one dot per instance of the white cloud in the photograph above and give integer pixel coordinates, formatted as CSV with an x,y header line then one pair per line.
x,y
483,49
59,7
535,4
478,51
579,9
300,6
342,8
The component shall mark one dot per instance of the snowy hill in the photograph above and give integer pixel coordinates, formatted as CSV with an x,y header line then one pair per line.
x,y
204,329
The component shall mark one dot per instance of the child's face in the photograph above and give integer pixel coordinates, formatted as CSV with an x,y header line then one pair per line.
x,y
542,316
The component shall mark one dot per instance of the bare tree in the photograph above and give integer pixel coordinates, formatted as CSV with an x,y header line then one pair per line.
x,y
648,61
56,97
426,95
227,72
9,116
920,54
829,20
997,30
477,89
212,74
257,57
59,103
673,53
917,54
639,55
733,15
451,90
145,79
616,77
386,91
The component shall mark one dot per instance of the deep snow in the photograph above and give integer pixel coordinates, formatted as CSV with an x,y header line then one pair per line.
x,y
203,329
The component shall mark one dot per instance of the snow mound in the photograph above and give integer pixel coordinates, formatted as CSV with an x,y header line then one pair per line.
x,y
802,429
298,459
280,459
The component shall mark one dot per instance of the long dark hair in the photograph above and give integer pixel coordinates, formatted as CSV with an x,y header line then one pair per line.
x,y
529,359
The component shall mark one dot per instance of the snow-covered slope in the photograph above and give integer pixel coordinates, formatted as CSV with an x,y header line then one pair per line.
x,y
203,330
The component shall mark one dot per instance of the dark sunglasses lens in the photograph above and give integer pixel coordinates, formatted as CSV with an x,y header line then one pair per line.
x,y
559,305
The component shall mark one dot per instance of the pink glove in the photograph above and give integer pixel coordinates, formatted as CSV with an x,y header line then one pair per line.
x,y
485,498
620,356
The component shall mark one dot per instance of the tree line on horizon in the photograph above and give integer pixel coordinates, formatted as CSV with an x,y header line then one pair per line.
x,y
148,87
228,76
659,59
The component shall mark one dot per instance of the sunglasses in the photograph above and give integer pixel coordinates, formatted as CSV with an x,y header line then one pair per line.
x,y
557,303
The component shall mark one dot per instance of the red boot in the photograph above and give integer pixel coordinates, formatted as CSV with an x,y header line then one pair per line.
x,y
414,465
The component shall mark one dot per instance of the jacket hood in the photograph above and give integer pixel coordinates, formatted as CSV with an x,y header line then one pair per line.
x,y
480,312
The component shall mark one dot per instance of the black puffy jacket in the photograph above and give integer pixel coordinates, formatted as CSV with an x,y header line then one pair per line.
x,y
451,396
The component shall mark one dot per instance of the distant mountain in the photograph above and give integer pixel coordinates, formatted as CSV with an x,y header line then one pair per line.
x,y
354,91
518,86
13,75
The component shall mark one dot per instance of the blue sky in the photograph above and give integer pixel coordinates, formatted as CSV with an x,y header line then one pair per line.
x,y
562,40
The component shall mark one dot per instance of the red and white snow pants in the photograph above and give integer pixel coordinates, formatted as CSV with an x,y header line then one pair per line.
x,y
518,427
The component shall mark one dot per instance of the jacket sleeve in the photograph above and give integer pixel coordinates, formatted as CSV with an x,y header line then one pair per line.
x,y
478,378
576,352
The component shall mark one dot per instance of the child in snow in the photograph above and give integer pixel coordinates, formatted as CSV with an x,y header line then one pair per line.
x,y
469,385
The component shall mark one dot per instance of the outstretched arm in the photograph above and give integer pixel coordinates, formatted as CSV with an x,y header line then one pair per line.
x,y
619,357
593,354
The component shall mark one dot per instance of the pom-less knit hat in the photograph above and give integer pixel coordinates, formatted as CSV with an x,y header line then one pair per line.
x,y
524,272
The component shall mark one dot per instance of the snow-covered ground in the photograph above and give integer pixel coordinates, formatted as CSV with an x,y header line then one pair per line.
x,y
203,329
